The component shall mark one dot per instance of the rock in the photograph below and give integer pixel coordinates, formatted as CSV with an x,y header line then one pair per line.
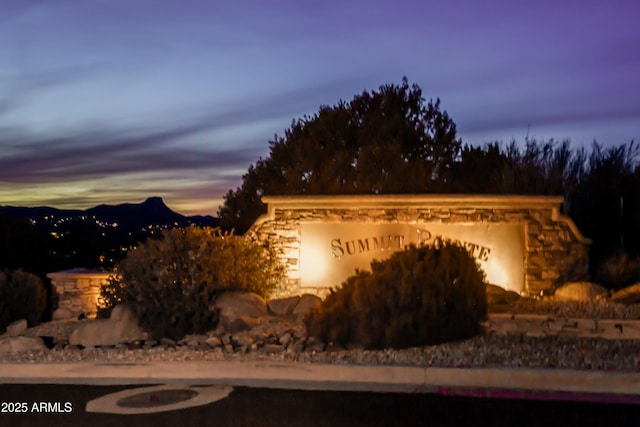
x,y
579,291
167,341
307,303
285,339
62,313
628,295
283,306
242,323
273,348
242,340
122,327
191,340
241,304
214,341
313,344
497,295
16,328
15,345
123,312
237,309
226,339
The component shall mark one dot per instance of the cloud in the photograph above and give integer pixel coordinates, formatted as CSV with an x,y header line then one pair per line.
x,y
99,155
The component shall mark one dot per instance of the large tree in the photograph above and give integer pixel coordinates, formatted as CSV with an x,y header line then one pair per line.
x,y
385,141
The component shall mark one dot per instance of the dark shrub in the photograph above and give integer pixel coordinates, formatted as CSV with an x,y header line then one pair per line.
x,y
419,296
618,271
22,296
172,282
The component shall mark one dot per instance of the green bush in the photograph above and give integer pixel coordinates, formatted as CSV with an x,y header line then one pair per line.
x,y
172,282
419,296
22,296
619,270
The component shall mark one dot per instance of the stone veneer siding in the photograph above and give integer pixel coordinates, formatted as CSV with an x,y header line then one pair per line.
x,y
555,250
78,290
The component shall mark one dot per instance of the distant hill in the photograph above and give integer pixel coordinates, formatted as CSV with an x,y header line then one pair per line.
x,y
46,239
129,216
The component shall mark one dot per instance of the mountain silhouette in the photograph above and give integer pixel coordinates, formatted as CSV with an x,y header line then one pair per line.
x,y
130,216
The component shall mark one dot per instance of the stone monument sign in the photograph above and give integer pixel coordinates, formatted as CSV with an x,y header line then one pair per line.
x,y
523,243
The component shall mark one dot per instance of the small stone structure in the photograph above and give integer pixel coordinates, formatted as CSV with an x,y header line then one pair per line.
x,y
523,243
78,291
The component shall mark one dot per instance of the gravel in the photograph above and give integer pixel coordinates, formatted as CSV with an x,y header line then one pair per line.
x,y
483,351
487,350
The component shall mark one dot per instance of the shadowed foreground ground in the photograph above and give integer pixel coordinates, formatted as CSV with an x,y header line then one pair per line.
x,y
270,407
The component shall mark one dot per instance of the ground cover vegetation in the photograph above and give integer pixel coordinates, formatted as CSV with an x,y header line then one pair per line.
x,y
392,140
172,282
22,296
419,296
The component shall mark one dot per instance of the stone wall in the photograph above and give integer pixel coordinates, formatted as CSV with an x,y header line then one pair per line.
x,y
554,249
78,291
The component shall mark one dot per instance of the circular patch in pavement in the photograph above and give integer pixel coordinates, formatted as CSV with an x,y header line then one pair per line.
x,y
156,398
161,398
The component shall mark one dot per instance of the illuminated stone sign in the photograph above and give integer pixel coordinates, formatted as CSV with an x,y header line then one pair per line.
x,y
331,252
523,243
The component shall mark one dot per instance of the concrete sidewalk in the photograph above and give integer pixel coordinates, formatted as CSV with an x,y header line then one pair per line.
x,y
304,376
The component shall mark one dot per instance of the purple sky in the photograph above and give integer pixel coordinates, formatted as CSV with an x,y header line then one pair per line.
x,y
111,101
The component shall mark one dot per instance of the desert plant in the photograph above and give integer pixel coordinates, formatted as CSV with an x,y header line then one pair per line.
x,y
419,296
619,270
22,296
172,282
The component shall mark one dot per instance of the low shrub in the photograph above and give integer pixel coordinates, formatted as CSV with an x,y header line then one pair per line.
x,y
618,270
172,282
22,296
419,296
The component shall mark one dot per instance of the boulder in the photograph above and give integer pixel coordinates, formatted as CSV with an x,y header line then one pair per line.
x,y
241,304
497,295
240,323
15,345
283,306
62,313
16,328
579,291
121,328
238,308
628,295
307,303
123,313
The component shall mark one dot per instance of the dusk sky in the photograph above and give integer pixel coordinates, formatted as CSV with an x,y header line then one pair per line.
x,y
112,101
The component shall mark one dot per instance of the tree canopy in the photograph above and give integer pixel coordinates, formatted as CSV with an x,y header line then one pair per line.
x,y
388,140
393,141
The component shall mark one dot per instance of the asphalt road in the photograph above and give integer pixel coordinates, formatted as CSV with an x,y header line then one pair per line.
x,y
275,407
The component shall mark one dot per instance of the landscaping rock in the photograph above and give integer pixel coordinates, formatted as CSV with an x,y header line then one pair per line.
x,y
168,342
283,306
313,344
628,295
15,345
285,338
497,295
16,328
242,340
122,327
241,304
191,340
214,341
62,313
579,291
307,303
273,348
242,323
237,309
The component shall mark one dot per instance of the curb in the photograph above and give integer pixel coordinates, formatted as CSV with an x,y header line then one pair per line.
x,y
307,376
